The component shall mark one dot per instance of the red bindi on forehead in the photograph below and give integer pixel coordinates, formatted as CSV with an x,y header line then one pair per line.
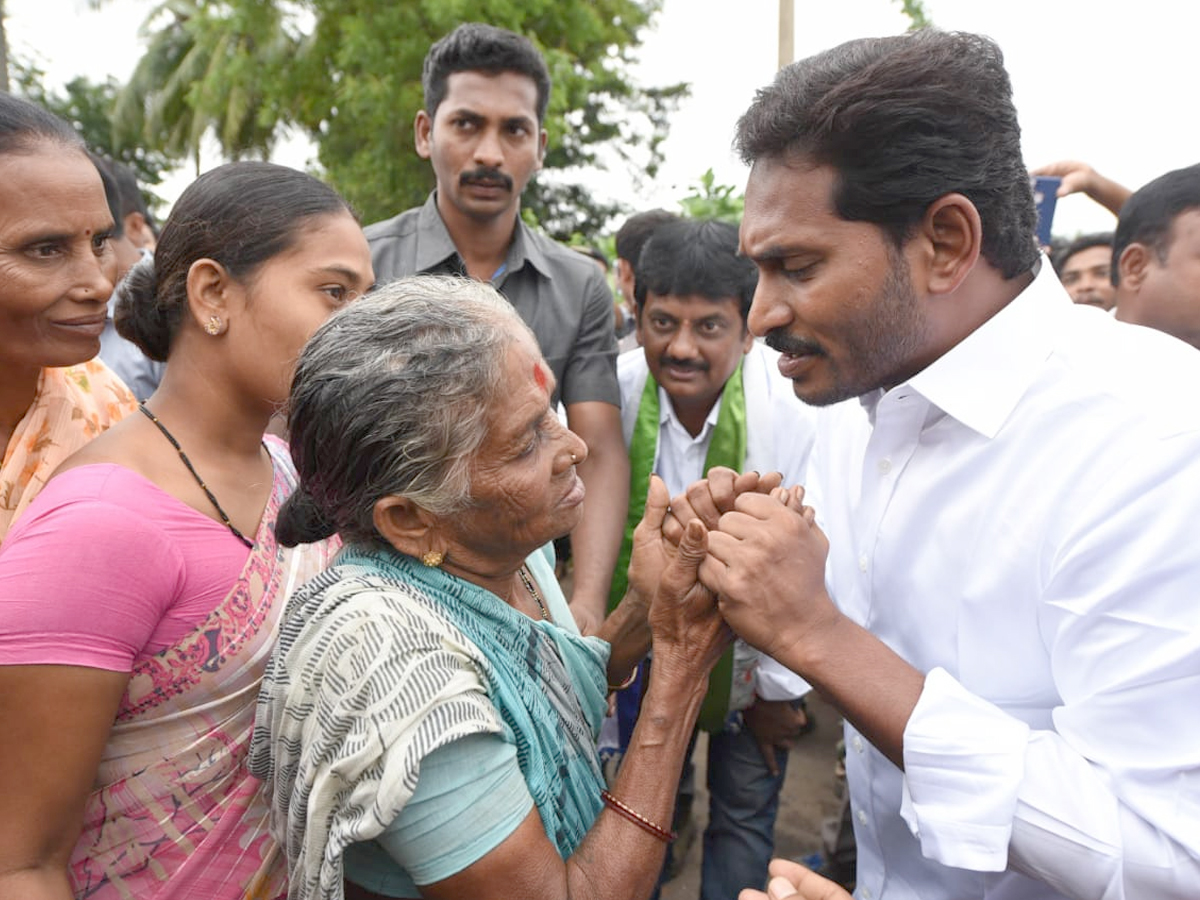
x,y
539,376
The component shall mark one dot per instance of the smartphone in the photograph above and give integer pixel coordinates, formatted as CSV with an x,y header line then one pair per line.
x,y
1045,195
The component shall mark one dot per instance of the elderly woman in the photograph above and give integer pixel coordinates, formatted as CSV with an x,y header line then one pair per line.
x,y
140,592
57,269
428,720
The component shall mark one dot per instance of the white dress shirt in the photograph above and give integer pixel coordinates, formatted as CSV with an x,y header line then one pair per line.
x,y
779,438
1019,521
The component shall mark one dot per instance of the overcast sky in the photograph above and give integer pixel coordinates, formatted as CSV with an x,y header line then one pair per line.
x,y
1111,84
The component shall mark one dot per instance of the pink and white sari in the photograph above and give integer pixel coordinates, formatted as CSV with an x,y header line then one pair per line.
x,y
175,813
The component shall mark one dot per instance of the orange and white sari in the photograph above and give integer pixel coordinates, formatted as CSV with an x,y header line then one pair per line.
x,y
72,406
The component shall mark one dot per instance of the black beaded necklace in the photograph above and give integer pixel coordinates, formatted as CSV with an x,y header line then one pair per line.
x,y
200,481
527,580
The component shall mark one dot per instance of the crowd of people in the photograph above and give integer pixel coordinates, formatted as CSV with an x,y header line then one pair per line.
x,y
872,442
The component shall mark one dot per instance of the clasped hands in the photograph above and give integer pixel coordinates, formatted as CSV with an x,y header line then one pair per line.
x,y
764,556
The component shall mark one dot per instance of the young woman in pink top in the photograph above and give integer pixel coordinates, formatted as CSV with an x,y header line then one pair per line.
x,y
139,593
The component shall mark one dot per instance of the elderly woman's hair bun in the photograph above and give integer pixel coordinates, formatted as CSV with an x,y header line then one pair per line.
x,y
139,317
302,520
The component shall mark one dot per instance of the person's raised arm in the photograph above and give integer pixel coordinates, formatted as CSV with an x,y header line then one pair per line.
x,y
767,565
620,857
1080,178
596,540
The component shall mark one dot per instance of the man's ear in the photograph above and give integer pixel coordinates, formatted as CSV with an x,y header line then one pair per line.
x,y
542,139
1134,264
209,285
951,238
137,229
422,129
623,276
406,526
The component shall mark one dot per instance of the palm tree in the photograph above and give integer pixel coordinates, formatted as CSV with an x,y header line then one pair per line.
x,y
201,71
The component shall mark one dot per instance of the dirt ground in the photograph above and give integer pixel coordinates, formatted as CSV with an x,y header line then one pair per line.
x,y
810,797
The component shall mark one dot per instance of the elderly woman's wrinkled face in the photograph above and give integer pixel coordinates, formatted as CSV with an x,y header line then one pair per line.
x,y
524,487
56,263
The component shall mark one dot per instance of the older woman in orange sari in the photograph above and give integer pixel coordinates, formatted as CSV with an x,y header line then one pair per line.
x,y
56,273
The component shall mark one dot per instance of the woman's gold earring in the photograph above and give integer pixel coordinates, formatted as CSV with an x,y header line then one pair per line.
x,y
213,326
433,558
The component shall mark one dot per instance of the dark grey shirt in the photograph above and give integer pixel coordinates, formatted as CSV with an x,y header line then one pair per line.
x,y
561,295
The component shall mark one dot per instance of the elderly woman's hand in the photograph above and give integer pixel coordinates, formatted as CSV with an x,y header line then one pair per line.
x,y
687,627
713,496
650,553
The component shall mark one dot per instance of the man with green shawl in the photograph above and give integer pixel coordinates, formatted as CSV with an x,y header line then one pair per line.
x,y
700,393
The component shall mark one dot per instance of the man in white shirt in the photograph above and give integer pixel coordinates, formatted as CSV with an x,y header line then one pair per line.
x,y
1156,255
697,393
1005,607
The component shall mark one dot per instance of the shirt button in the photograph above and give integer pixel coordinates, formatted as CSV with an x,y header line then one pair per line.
x,y
861,816
866,893
885,466
857,744
862,563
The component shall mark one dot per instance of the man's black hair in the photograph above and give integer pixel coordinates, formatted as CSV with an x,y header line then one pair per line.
x,y
1148,215
696,257
474,47
903,121
1078,245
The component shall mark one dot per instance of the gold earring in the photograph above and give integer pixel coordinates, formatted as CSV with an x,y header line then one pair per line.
x,y
213,326
433,558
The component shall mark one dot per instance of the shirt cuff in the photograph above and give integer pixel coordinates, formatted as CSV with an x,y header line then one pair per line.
x,y
964,759
772,681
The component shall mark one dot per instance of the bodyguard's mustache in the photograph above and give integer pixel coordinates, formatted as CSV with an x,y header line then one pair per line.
x,y
486,176
782,342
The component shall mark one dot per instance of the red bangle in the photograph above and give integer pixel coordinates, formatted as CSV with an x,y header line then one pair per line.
x,y
637,818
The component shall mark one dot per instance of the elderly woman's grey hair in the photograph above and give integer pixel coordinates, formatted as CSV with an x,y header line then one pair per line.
x,y
391,397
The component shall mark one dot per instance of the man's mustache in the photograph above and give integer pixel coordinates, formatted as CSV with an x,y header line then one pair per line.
x,y
782,342
486,176
670,362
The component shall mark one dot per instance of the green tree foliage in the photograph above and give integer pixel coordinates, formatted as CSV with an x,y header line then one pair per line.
x,y
709,200
209,66
915,11
348,74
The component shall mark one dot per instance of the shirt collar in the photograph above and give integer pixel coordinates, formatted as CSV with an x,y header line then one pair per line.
x,y
980,380
667,416
436,246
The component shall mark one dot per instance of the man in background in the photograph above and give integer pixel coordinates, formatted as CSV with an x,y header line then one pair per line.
x,y
1156,256
1084,267
133,238
486,92
699,393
